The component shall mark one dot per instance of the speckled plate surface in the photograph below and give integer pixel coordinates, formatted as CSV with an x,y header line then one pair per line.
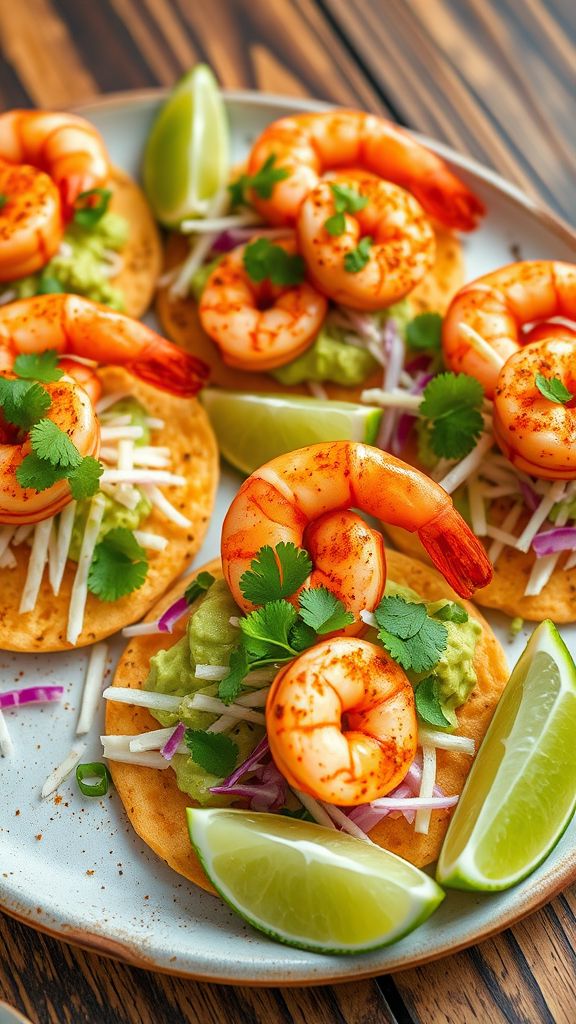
x,y
73,866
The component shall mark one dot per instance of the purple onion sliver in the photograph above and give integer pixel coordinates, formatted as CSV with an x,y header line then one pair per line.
x,y
170,617
259,751
30,695
173,742
530,497
402,432
421,362
563,538
421,383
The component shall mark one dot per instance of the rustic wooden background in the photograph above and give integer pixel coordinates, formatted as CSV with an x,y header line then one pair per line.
x,y
495,78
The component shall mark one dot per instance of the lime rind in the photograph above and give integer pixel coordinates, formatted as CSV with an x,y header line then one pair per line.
x,y
473,865
417,893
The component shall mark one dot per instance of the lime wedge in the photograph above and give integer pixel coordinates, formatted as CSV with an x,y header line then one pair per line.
x,y
186,160
251,429
309,886
521,792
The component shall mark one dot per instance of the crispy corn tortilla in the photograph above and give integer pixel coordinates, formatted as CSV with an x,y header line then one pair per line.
x,y
180,321
142,254
156,807
188,434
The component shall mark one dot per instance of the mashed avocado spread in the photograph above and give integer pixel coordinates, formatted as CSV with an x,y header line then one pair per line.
x,y
210,640
115,514
82,264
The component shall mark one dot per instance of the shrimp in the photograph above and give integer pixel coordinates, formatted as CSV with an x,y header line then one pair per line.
x,y
258,325
31,225
402,242
75,326
496,307
538,436
73,412
297,495
67,147
343,678
308,145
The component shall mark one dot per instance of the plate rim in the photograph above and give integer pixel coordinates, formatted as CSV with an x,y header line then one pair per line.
x,y
565,874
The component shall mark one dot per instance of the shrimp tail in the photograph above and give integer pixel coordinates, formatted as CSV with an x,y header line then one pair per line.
x,y
456,552
170,368
456,206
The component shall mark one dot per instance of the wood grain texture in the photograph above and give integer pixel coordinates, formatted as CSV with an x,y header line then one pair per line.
x,y
495,78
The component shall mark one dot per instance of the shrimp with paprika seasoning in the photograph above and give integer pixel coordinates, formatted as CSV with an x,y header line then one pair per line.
x,y
341,722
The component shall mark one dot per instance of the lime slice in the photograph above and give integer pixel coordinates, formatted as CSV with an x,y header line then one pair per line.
x,y
251,429
521,792
186,159
309,886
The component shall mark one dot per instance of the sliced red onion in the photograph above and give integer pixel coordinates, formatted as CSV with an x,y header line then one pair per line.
x,y
170,617
563,538
262,797
530,497
173,742
419,363
232,237
406,420
30,695
261,751
394,348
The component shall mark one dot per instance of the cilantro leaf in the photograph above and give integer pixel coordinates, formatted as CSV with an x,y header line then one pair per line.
x,y
452,612
91,206
23,402
451,404
3,200
265,261
215,752
84,479
266,631
335,225
119,565
428,704
323,611
38,474
409,634
53,444
274,574
424,332
553,389
199,585
357,259
49,285
302,636
262,183
38,366
347,199
231,685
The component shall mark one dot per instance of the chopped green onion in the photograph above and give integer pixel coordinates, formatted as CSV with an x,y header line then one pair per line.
x,y
95,770
91,206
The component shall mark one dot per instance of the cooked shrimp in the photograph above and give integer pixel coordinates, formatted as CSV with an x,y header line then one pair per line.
x,y
402,245
497,306
31,225
537,435
73,412
258,325
293,496
308,145
77,326
341,722
67,147
83,375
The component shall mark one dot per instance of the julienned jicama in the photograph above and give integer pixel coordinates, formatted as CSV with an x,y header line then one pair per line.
x,y
372,734
108,475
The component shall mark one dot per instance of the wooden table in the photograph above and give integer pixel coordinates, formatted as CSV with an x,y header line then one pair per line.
x,y
494,79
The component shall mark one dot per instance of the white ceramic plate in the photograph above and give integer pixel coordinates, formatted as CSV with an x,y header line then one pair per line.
x,y
74,867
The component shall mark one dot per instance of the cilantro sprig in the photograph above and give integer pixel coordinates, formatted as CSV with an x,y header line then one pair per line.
x,y
200,585
3,200
215,752
428,703
91,206
424,332
40,366
119,565
346,200
356,259
275,573
451,406
23,402
553,389
265,261
412,637
262,183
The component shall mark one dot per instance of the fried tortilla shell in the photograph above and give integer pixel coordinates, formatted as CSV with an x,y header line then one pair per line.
x,y
142,254
156,807
188,435
180,321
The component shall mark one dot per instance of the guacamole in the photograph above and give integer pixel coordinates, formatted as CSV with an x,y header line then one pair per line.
x,y
81,265
455,670
328,359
